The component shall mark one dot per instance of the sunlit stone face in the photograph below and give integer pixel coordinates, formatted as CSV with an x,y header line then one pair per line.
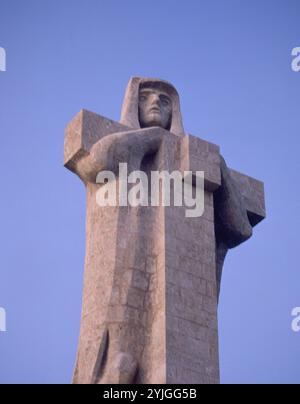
x,y
155,108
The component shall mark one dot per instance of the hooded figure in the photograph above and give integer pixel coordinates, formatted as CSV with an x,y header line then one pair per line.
x,y
123,339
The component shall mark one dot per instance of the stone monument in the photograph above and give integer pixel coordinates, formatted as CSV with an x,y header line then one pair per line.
x,y
152,275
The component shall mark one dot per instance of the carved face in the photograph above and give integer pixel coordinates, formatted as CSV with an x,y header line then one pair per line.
x,y
155,108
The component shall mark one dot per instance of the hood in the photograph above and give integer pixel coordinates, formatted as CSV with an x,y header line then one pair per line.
x,y
130,108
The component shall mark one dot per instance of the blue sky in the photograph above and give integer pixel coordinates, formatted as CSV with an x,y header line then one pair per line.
x,y
231,62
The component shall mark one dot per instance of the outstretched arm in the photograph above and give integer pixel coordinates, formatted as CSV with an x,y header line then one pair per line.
x,y
232,224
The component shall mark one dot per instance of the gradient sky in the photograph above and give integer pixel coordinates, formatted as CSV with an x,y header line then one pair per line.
x,y
231,63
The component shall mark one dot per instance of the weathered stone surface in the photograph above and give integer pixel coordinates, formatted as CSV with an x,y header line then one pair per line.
x,y
152,275
199,155
253,194
83,132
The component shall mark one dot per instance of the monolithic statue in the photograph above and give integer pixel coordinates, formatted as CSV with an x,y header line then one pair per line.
x,y
152,275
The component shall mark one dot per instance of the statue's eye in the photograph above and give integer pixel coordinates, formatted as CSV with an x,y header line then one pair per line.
x,y
165,102
143,98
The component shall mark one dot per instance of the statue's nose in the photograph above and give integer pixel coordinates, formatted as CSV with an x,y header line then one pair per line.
x,y
155,100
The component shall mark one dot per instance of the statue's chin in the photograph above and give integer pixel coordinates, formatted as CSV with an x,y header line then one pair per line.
x,y
151,123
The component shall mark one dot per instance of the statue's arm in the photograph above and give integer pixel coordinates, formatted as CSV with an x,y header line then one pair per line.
x,y
232,224
125,147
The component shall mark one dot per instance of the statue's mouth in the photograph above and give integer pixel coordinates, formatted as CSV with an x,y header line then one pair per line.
x,y
155,110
